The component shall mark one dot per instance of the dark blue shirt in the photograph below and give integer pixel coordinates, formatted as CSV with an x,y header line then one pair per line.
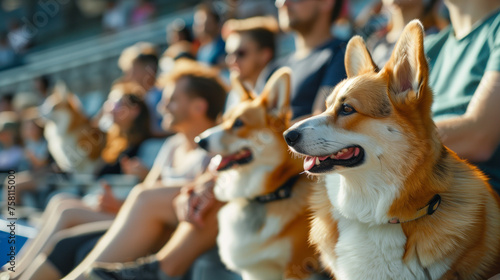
x,y
317,73
212,53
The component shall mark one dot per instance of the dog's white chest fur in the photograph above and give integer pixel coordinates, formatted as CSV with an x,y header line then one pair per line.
x,y
367,250
379,249
244,232
58,143
65,150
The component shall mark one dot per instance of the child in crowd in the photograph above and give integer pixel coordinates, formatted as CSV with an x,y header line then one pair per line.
x,y
11,151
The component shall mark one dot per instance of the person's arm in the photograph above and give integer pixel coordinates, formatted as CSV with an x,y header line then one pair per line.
x,y
36,162
134,166
476,134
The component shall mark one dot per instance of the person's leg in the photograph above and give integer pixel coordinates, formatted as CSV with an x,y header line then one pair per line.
x,y
187,243
141,222
55,204
65,214
61,258
41,269
50,211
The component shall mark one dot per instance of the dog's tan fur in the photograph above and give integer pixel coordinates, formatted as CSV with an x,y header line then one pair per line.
x,y
461,240
278,247
74,143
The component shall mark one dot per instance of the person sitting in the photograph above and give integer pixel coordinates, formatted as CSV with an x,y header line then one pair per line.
x,y
180,45
7,53
143,72
11,151
6,102
177,32
206,28
36,157
128,132
401,13
251,49
130,128
192,101
139,64
318,61
464,62
142,13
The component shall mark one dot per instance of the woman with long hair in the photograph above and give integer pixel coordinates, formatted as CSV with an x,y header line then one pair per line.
x,y
65,214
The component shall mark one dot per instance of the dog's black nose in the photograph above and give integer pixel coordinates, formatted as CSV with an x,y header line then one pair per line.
x,y
291,137
202,142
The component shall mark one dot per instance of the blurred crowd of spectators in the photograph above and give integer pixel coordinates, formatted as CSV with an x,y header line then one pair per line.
x,y
219,38
153,99
118,15
357,16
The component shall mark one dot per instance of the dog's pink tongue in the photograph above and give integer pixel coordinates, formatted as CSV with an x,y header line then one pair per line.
x,y
349,154
224,161
309,163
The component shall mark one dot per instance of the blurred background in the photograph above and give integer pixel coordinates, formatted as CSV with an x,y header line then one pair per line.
x,y
92,45
97,47
79,41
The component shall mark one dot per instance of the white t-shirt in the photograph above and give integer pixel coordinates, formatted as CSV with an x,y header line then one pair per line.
x,y
194,162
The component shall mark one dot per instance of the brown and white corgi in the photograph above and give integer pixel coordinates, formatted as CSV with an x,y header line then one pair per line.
x,y
397,203
264,227
73,143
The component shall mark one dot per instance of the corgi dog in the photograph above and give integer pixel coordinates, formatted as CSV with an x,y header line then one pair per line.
x,y
73,143
264,226
397,203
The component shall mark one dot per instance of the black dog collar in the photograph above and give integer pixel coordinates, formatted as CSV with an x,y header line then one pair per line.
x,y
283,192
429,209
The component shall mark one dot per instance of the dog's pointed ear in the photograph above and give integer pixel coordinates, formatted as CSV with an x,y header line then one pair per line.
x,y
276,93
61,89
240,88
358,59
65,94
407,67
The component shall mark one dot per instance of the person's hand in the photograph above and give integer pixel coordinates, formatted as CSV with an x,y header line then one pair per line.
x,y
30,155
35,162
194,202
182,202
107,202
202,200
133,166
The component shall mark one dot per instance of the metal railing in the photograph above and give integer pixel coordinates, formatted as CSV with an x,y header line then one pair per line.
x,y
89,64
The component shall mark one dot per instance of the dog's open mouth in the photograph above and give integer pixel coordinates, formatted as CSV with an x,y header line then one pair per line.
x,y
347,157
244,156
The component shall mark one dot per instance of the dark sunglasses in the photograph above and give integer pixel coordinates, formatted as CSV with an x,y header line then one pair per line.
x,y
240,53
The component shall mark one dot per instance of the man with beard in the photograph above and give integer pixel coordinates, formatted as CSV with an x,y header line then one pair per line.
x,y
318,61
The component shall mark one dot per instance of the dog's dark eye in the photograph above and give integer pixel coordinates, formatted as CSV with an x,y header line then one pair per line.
x,y
346,109
237,123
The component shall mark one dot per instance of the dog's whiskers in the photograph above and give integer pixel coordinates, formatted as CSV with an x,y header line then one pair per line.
x,y
326,141
380,160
